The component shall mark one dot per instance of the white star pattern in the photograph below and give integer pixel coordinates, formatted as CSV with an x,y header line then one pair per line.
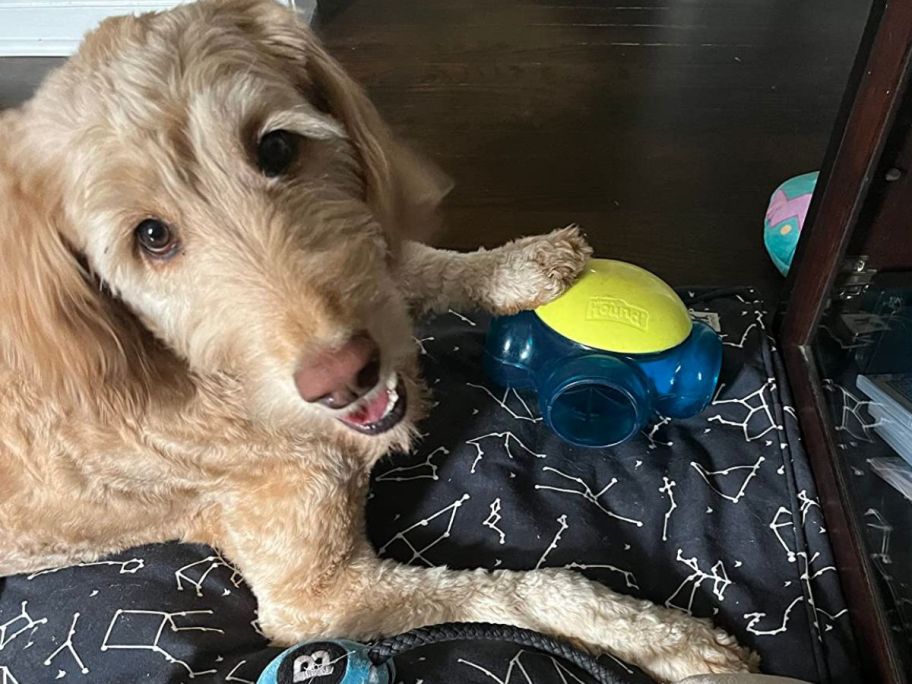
x,y
158,621
714,478
448,512
20,624
587,493
695,580
68,646
508,444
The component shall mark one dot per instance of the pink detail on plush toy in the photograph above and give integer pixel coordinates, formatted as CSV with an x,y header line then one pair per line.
x,y
782,208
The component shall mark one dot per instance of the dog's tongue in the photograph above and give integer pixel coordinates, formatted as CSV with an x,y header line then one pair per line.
x,y
370,412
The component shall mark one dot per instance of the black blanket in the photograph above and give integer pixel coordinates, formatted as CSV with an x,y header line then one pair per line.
x,y
716,516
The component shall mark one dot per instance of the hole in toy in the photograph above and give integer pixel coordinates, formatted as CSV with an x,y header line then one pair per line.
x,y
593,414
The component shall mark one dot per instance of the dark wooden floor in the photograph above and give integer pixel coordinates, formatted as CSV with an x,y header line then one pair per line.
x,y
661,126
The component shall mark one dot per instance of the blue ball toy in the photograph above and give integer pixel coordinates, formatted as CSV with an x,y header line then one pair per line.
x,y
785,216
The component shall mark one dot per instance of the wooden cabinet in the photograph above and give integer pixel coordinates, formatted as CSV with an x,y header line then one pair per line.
x,y
855,251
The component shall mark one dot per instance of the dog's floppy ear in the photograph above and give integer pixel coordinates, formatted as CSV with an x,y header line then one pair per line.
x,y
57,325
403,189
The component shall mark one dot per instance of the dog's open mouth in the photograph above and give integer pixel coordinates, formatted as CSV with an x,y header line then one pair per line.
x,y
379,411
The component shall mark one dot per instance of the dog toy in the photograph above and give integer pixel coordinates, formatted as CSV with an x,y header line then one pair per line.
x,y
615,349
785,216
339,661
331,661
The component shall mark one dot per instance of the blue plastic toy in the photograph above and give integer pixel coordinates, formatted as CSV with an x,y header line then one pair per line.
x,y
330,661
614,350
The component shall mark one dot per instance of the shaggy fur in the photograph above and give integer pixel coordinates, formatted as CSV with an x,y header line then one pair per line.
x,y
144,400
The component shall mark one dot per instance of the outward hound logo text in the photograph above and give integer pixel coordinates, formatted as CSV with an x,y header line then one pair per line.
x,y
617,311
310,666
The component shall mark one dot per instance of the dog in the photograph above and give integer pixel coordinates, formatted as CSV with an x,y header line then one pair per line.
x,y
210,260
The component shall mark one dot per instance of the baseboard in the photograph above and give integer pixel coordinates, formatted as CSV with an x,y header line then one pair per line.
x,y
31,28
37,47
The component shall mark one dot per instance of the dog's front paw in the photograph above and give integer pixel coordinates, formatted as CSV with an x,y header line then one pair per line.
x,y
537,269
699,648
559,257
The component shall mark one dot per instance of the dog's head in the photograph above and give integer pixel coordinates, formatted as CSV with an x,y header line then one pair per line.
x,y
214,173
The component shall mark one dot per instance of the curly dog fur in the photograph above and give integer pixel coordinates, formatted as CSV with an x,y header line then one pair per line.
x,y
146,399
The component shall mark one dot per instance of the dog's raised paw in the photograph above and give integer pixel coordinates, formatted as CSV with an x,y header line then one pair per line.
x,y
562,256
542,267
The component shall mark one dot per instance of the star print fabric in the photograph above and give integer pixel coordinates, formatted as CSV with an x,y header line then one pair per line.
x,y
716,516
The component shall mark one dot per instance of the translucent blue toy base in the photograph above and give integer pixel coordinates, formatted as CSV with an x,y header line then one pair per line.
x,y
594,398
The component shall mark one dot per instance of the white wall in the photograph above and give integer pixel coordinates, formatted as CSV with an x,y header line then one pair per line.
x,y
55,27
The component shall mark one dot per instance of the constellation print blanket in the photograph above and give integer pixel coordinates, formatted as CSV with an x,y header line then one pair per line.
x,y
715,516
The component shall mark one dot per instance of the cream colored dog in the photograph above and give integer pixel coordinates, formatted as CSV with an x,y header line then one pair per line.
x,y
205,290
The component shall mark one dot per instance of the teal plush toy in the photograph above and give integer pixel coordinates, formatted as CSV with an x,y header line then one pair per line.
x,y
785,216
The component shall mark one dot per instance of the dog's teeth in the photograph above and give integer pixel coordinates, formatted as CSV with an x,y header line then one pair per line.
x,y
392,400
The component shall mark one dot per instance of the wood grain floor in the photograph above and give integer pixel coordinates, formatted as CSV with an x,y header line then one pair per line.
x,y
661,126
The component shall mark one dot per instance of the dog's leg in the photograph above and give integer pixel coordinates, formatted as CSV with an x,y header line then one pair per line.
x,y
372,598
391,597
519,275
300,543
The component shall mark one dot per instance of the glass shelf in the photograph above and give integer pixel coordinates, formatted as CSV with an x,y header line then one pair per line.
x,y
869,334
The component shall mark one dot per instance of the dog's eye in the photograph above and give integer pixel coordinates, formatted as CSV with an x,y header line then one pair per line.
x,y
276,151
156,238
